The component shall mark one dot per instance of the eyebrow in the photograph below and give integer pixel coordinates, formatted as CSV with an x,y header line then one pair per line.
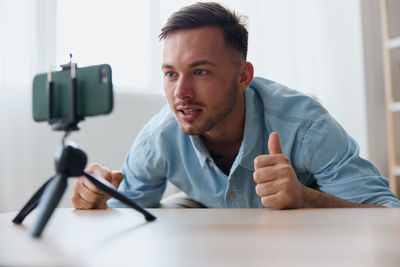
x,y
202,62
192,65
166,66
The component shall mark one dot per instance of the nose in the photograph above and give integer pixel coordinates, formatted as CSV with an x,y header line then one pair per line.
x,y
184,89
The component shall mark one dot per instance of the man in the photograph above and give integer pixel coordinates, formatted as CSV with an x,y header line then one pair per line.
x,y
228,140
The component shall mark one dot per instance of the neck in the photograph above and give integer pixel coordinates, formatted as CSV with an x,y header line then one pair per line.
x,y
230,130
223,141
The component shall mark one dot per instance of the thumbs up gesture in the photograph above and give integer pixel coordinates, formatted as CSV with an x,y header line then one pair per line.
x,y
277,183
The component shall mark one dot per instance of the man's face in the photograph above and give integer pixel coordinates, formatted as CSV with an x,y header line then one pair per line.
x,y
200,76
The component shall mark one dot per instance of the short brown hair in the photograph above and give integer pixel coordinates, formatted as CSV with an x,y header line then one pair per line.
x,y
210,14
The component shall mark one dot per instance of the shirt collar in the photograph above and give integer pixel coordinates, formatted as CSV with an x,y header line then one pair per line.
x,y
253,139
200,149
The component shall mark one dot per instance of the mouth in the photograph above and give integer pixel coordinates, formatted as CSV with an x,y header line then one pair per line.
x,y
189,113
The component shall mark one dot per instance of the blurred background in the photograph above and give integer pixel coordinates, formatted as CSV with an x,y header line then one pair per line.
x,y
330,49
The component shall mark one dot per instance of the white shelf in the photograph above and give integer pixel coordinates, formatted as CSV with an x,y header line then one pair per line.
x,y
393,43
396,170
395,106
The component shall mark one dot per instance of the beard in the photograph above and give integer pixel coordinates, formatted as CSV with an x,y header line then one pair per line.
x,y
221,111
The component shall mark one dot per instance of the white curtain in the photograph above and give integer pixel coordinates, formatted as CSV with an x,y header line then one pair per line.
x,y
310,45
26,48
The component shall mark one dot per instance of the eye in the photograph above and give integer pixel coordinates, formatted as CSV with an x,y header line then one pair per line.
x,y
170,74
200,72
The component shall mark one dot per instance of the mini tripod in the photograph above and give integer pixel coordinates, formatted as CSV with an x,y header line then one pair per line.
x,y
70,161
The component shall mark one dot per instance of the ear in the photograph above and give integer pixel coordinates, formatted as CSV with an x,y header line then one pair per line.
x,y
246,74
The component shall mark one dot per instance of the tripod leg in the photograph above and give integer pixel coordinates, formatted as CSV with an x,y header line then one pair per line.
x,y
48,202
31,204
108,189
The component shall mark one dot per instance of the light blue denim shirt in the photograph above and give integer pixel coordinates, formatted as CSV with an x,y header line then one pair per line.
x,y
322,154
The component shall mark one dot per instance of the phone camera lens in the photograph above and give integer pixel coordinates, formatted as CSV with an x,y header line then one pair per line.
x,y
103,75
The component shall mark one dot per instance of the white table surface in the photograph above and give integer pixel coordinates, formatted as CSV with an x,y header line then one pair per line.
x,y
206,237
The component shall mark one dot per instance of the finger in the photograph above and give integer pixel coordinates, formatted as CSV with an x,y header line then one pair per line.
x,y
78,201
273,201
269,160
99,171
90,196
81,203
88,184
116,178
266,189
85,205
271,173
274,146
269,201
88,191
277,201
265,174
75,199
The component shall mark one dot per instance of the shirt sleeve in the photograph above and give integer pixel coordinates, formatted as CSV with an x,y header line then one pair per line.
x,y
144,174
332,156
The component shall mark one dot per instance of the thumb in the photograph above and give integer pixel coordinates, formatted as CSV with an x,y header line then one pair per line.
x,y
116,178
274,146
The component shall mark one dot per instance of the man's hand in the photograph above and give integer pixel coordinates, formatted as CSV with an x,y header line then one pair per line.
x,y
86,195
277,183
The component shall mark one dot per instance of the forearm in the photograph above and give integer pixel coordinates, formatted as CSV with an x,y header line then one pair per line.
x,y
318,199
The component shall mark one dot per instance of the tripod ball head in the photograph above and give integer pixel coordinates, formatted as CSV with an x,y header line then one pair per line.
x,y
70,160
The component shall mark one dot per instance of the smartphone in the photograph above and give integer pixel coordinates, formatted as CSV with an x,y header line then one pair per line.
x,y
94,93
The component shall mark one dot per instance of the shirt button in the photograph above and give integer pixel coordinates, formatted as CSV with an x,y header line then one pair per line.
x,y
211,164
232,195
